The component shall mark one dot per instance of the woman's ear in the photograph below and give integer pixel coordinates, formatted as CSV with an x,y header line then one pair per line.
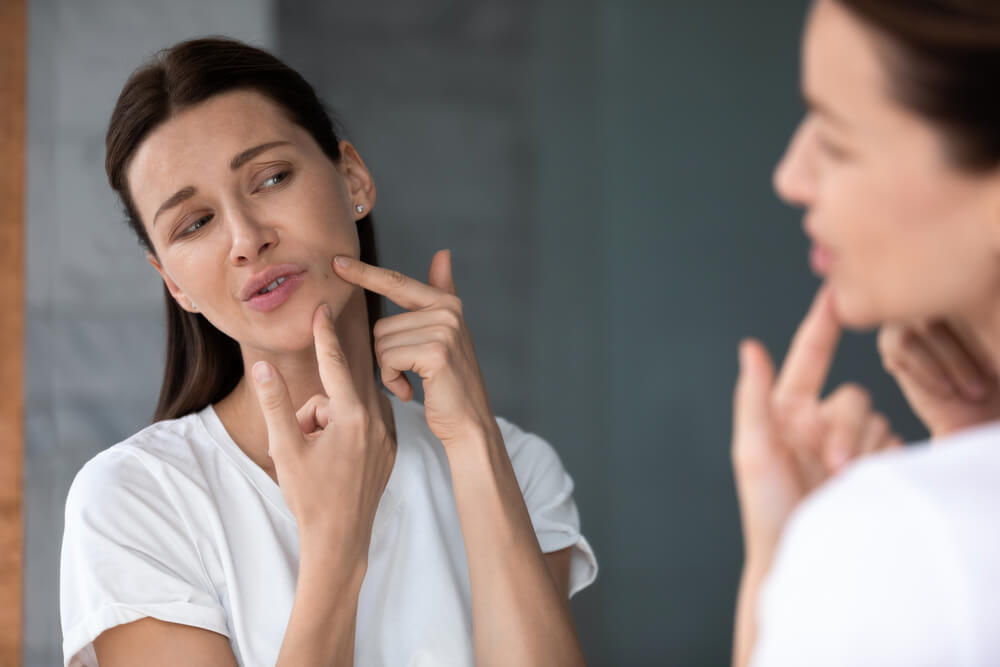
x,y
182,299
360,185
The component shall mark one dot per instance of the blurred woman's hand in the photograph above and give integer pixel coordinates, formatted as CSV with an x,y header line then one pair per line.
x,y
786,439
943,375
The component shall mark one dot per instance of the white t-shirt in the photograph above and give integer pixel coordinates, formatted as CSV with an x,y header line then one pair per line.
x,y
177,523
894,562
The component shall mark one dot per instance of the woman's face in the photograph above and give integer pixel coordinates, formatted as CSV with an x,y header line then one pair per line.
x,y
233,193
899,232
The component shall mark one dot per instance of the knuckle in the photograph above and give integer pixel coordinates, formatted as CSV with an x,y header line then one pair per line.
x,y
451,318
355,417
857,395
438,353
452,303
395,278
336,357
272,401
446,334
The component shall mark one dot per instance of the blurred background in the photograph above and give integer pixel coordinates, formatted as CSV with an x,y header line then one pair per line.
x,y
600,169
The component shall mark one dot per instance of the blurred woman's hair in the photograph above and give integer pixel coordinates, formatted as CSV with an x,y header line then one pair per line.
x,y
203,364
943,62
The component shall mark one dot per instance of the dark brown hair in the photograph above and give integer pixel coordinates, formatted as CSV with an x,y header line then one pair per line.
x,y
943,60
203,364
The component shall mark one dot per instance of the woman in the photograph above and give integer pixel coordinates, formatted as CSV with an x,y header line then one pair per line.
x,y
897,164
295,514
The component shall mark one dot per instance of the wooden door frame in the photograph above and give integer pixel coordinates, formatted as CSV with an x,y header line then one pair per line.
x,y
13,72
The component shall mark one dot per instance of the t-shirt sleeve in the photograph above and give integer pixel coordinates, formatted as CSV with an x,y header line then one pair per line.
x,y
865,575
127,554
548,494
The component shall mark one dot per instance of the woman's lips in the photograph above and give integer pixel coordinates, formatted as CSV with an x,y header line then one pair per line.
x,y
820,259
271,300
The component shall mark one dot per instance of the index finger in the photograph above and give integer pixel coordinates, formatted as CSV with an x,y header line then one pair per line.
x,y
334,371
279,416
811,351
400,289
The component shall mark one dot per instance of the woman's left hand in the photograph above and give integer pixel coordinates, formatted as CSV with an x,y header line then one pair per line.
x,y
787,440
430,340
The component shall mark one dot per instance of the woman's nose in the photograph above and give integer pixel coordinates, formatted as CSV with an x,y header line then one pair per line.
x,y
795,175
251,238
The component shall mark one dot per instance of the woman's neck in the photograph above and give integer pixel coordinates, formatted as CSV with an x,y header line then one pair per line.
x,y
241,414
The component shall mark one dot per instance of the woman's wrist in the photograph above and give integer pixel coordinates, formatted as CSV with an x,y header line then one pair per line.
x,y
338,562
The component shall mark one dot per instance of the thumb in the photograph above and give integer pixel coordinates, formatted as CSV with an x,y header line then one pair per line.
x,y
752,431
440,274
283,429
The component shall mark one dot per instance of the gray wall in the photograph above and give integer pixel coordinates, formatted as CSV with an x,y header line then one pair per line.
x,y
601,171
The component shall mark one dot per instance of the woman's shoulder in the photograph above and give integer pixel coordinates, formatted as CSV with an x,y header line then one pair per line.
x,y
143,461
944,478
925,503
905,534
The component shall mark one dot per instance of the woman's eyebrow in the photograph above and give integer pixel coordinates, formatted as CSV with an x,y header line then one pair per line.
x,y
251,153
174,200
824,110
241,159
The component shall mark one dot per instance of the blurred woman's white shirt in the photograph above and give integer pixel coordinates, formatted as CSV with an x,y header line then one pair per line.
x,y
177,523
894,562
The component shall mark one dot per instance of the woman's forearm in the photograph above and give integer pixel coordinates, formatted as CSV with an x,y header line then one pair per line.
x,y
745,632
324,616
519,616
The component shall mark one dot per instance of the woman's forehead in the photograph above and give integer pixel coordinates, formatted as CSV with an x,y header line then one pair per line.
x,y
204,138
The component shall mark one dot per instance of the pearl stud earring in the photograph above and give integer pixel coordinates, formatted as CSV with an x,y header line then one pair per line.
x,y
360,208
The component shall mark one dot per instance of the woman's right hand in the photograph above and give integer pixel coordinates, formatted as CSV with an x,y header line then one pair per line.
x,y
947,381
333,458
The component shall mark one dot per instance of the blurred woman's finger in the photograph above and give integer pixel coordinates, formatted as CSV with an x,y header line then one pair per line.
x,y
903,350
846,413
875,435
965,373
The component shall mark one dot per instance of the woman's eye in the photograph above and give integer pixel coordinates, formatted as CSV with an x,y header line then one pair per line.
x,y
274,180
832,149
196,225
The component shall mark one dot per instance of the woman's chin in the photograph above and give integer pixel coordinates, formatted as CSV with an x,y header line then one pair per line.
x,y
291,336
856,311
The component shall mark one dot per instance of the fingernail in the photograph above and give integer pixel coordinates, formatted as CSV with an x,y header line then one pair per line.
x,y
262,372
342,261
327,311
